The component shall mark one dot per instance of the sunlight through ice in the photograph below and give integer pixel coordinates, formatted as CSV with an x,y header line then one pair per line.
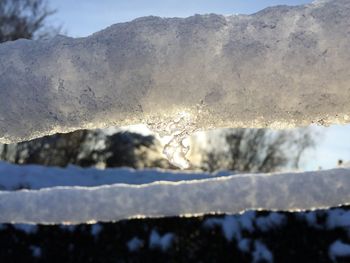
x,y
175,150
175,134
176,138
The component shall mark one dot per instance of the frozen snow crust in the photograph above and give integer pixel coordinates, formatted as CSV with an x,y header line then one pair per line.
x,y
283,66
189,197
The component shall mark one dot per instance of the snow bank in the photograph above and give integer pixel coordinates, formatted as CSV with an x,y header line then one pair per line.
x,y
230,194
283,66
14,177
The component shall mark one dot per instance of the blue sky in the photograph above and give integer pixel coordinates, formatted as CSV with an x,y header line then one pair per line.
x,y
332,145
81,18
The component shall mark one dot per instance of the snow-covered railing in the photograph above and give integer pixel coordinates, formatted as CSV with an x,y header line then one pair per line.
x,y
283,66
229,194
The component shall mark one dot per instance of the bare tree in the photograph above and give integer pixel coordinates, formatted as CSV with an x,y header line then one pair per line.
x,y
89,148
258,150
24,19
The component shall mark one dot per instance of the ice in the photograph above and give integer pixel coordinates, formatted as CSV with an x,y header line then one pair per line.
x,y
230,194
283,66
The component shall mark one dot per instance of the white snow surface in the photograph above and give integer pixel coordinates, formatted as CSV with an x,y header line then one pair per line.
x,y
228,194
283,66
14,177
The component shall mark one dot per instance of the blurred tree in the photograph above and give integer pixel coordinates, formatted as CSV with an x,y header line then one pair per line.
x,y
55,150
25,19
135,150
258,150
244,150
89,148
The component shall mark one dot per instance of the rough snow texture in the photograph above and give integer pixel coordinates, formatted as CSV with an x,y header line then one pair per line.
x,y
230,194
283,66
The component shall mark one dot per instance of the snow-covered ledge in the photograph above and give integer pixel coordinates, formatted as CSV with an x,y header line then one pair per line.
x,y
283,66
231,194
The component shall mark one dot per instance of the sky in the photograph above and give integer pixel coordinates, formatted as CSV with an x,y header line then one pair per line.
x,y
80,18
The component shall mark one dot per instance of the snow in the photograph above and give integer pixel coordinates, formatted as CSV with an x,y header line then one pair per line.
x,y
177,76
271,221
229,224
328,219
134,244
246,221
163,242
219,70
311,218
229,194
338,218
261,253
233,226
338,249
37,176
